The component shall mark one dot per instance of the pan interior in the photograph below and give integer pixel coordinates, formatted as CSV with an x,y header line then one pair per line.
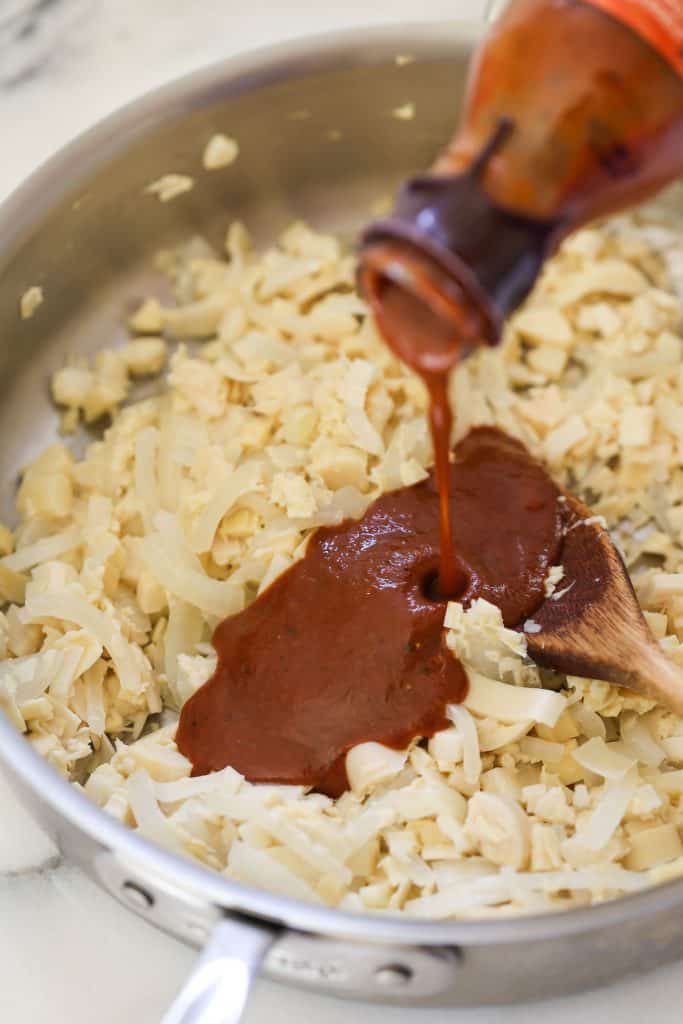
x,y
316,143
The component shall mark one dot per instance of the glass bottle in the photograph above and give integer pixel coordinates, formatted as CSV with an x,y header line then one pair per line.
x,y
574,109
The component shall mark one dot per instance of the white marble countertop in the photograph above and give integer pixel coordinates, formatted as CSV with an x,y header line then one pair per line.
x,y
68,953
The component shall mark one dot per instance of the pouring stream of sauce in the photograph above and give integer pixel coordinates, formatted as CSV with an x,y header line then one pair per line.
x,y
451,579
431,344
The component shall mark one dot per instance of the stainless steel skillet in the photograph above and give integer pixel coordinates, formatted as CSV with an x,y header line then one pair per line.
x,y
318,140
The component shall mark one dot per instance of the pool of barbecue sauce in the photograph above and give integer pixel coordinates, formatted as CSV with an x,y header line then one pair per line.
x,y
348,644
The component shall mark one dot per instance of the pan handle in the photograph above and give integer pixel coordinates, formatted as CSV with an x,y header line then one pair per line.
x,y
218,988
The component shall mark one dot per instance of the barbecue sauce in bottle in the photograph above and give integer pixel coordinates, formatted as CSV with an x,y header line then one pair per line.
x,y
574,109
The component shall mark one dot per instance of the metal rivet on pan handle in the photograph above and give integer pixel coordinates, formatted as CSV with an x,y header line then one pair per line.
x,y
393,976
137,897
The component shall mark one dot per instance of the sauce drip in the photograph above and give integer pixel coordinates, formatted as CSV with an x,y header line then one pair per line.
x,y
431,341
347,645
451,579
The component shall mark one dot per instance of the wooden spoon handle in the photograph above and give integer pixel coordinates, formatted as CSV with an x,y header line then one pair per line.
x,y
658,677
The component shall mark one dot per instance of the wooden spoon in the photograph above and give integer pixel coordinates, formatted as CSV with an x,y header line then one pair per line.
x,y
593,626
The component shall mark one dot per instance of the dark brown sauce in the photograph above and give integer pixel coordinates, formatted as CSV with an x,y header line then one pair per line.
x,y
347,646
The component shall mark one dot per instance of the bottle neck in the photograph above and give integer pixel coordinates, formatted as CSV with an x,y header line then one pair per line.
x,y
429,321
469,261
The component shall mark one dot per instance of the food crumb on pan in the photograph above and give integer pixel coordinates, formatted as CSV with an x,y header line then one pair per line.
x,y
406,112
93,389
6,540
402,59
145,356
555,575
169,186
148,318
220,151
283,411
30,301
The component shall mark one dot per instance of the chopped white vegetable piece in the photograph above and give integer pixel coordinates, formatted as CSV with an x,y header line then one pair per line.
x,y
220,151
169,186
489,697
30,301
